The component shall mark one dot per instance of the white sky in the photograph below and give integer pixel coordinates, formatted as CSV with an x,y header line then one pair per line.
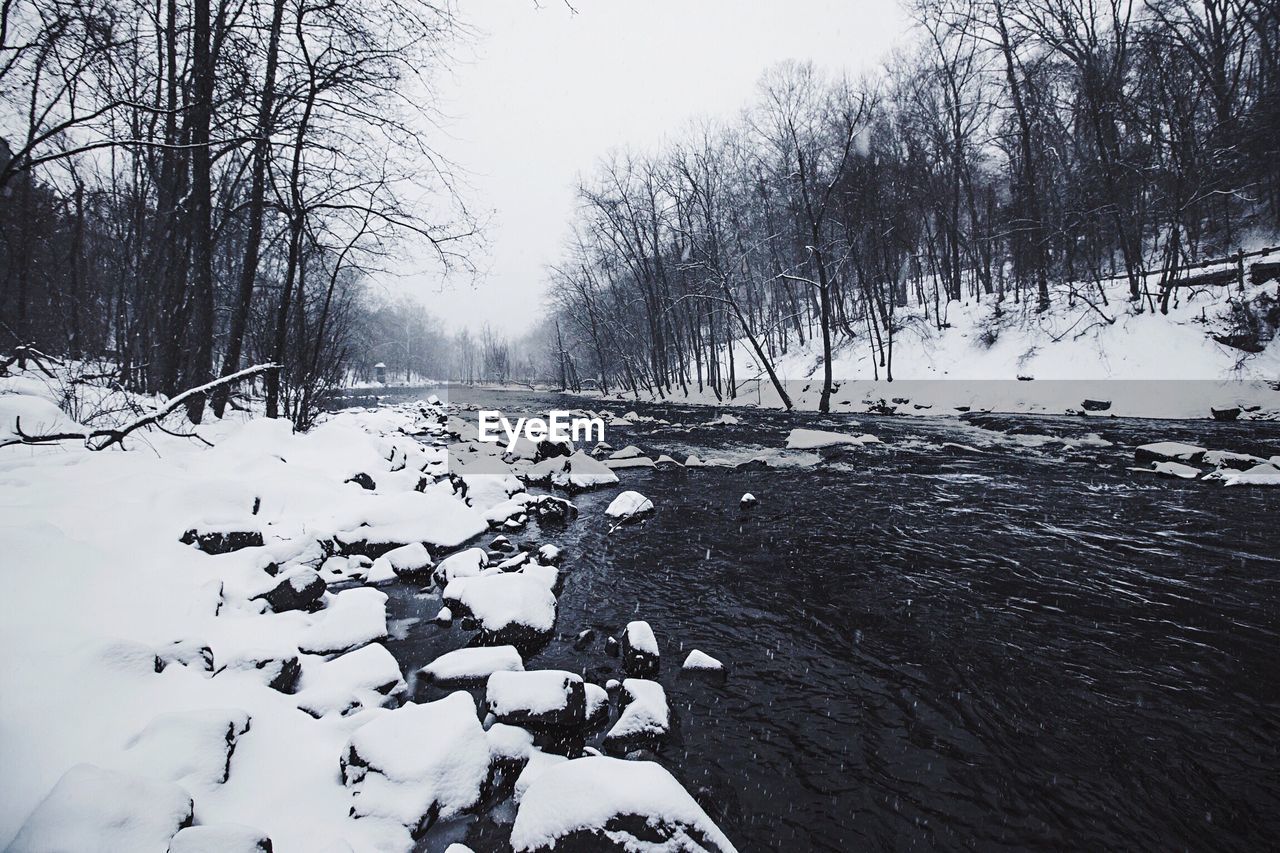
x,y
544,93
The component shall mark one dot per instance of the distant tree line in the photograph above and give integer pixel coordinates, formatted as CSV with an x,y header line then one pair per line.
x,y
1024,150
191,186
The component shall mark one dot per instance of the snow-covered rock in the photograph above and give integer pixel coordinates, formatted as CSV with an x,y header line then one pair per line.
x,y
1163,451
664,459
539,762
597,701
193,748
299,588
92,809
639,649
629,505
411,562
1234,461
701,661
418,763
1267,474
352,618
811,439
277,669
607,804
1175,469
633,462
577,473
220,838
550,555
509,746
628,452
645,716
725,419
474,664
540,698
747,500
464,564
360,679
224,538
509,606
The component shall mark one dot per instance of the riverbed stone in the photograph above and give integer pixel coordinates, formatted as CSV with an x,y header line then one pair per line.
x,y
299,588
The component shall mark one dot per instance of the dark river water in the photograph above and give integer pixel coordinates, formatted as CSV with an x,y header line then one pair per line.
x,y
1029,647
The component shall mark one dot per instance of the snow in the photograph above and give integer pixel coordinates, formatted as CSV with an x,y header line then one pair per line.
x,y
472,664
504,602
220,838
346,682
407,561
419,762
640,636
629,505
810,439
98,534
576,472
644,713
510,744
698,660
464,564
1175,469
1169,450
584,794
192,748
538,763
536,697
92,809
352,618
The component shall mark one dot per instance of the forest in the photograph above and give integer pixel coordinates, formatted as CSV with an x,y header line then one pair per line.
x,y
1029,152
192,186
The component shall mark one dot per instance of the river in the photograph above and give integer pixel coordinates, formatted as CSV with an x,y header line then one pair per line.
x,y
1025,647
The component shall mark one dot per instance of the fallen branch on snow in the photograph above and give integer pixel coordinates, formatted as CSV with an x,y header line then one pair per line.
x,y
101,439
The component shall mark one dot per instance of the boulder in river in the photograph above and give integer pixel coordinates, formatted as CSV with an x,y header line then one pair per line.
x,y
747,500
1096,405
608,805
698,661
365,678
471,665
548,448
1164,451
350,619
298,589
410,562
629,506
1229,413
510,607
439,778
645,717
544,698
639,649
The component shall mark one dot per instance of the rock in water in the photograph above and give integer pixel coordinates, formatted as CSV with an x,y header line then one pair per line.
x,y
1227,414
412,562
364,481
298,589
639,649
748,500
364,678
701,661
471,665
645,717
545,698
1163,451
95,809
629,506
607,804
1096,405
220,838
418,764
511,607
549,449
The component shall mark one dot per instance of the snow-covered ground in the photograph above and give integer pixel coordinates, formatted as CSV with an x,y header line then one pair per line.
x,y
236,681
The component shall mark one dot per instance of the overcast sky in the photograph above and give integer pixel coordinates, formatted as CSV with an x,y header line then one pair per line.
x,y
544,93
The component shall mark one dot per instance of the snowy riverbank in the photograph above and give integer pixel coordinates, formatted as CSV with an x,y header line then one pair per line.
x,y
1144,364
236,681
